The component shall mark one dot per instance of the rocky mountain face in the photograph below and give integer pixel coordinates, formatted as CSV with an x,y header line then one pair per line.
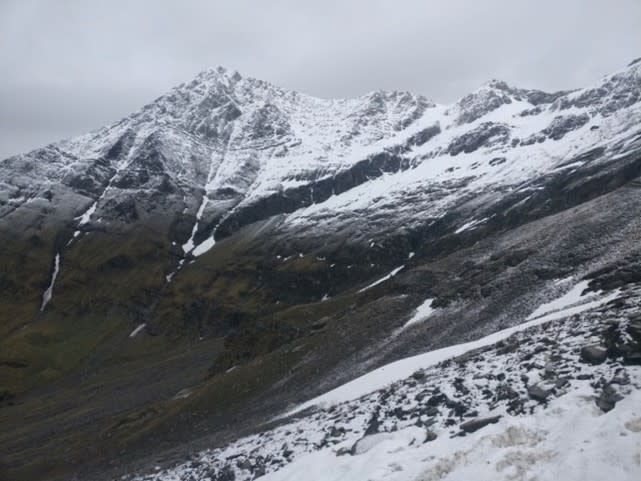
x,y
176,278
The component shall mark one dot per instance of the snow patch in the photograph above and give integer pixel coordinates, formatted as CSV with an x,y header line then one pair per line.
x,y
571,297
204,246
189,245
422,312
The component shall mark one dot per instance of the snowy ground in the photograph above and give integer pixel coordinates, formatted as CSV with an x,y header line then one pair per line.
x,y
521,404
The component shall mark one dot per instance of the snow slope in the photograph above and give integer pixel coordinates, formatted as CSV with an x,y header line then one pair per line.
x,y
517,405
386,375
570,440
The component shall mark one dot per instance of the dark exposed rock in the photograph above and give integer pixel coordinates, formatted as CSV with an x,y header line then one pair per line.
x,y
344,451
373,424
593,354
505,391
478,423
632,357
497,161
540,392
529,112
485,135
424,135
429,436
561,125
608,398
315,191
225,474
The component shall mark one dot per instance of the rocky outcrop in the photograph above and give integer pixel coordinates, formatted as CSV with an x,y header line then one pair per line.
x,y
485,135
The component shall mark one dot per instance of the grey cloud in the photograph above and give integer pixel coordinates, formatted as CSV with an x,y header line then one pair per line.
x,y
71,66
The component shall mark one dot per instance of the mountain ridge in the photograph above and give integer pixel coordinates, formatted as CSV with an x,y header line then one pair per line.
x,y
254,247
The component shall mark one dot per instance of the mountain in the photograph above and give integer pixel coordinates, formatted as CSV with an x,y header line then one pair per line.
x,y
175,279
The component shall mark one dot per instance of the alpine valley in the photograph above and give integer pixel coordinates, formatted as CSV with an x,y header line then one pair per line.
x,y
240,281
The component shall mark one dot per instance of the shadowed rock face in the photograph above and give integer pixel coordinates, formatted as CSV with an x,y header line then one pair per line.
x,y
332,221
485,135
563,124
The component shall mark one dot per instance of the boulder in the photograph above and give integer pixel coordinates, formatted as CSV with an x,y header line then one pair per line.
x,y
478,423
593,354
429,436
608,398
540,392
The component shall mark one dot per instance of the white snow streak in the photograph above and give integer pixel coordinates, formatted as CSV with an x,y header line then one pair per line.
x,y
382,279
138,329
189,245
46,297
86,217
469,225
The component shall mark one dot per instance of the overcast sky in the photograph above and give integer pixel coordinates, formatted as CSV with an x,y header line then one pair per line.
x,y
70,66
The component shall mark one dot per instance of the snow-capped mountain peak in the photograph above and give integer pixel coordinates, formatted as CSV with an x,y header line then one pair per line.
x,y
232,144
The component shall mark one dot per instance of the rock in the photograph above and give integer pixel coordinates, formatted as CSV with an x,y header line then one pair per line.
x,y
429,436
549,371
225,474
485,135
540,392
560,382
343,451
632,358
634,329
621,379
505,391
515,406
422,395
478,423
367,442
400,413
608,398
593,354
286,451
476,105
372,426
563,124
459,386
244,464
429,410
